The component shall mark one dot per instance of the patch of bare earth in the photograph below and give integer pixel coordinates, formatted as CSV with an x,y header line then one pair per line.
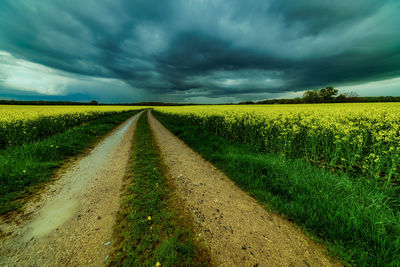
x,y
237,229
71,224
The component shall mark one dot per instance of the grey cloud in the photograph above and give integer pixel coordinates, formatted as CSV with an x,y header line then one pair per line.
x,y
208,48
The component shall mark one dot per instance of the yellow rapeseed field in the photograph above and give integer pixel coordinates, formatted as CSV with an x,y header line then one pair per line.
x,y
21,112
22,124
359,137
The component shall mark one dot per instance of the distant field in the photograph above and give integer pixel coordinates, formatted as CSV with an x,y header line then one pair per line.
x,y
355,138
23,124
10,113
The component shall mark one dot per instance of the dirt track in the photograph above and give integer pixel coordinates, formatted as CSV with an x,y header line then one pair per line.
x,y
72,221
238,230
73,218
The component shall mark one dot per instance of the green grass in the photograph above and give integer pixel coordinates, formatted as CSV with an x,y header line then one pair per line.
x,y
166,238
24,168
358,219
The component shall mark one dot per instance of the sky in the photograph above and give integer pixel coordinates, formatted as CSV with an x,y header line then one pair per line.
x,y
196,51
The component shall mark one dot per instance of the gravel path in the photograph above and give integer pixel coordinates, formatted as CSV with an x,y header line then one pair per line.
x,y
238,230
72,221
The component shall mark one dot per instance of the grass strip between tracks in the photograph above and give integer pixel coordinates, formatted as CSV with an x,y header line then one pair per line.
x,y
358,219
150,228
24,168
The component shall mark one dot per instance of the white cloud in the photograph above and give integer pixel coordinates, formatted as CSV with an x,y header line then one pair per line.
x,y
24,75
27,76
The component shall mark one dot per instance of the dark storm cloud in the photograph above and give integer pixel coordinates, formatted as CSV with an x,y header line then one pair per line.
x,y
209,48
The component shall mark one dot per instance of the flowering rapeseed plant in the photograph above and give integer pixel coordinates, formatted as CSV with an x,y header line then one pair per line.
x,y
341,136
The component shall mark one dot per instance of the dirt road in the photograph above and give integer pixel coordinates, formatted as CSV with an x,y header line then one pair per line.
x,y
238,230
71,224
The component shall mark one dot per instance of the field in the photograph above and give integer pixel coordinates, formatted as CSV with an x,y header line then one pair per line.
x,y
23,124
357,138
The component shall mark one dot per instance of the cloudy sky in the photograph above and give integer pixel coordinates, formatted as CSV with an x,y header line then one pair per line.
x,y
204,51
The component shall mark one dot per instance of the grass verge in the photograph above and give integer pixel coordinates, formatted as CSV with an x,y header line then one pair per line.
x,y
24,168
357,218
151,231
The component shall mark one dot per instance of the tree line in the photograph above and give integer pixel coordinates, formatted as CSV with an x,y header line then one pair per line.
x,y
91,103
327,95
49,103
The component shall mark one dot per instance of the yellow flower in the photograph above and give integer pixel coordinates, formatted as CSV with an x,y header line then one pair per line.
x,y
158,264
149,218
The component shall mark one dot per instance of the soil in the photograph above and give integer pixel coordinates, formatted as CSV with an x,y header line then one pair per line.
x,y
71,223
237,229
